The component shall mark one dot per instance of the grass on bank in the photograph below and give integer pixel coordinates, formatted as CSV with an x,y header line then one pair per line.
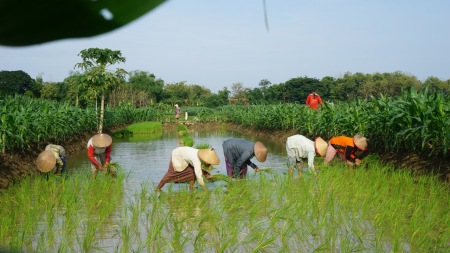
x,y
147,127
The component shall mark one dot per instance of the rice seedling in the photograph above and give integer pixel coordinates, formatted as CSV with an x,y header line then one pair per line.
x,y
377,209
340,210
59,213
218,177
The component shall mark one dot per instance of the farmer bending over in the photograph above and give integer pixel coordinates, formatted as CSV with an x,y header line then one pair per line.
x,y
99,153
298,147
186,166
52,159
352,150
238,153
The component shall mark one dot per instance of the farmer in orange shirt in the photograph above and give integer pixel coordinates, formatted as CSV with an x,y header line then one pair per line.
x,y
313,100
352,150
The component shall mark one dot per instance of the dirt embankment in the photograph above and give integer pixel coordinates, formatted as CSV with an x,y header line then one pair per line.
x,y
20,163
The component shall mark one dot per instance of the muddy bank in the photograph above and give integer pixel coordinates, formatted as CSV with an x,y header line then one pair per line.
x,y
20,163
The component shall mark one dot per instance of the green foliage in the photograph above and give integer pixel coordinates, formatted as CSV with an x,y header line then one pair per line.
x,y
145,127
27,120
17,82
95,63
184,136
385,210
143,81
300,87
64,213
30,22
415,121
97,76
202,146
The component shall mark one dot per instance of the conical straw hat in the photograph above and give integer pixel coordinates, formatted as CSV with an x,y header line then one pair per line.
x,y
46,161
208,156
101,140
260,151
360,142
321,146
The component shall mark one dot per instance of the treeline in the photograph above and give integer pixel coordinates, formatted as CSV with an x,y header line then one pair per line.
x,y
142,89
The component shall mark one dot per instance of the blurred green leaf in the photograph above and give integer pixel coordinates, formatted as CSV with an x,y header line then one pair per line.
x,y
28,22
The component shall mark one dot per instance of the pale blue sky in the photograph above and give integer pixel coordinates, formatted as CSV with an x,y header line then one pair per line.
x,y
218,43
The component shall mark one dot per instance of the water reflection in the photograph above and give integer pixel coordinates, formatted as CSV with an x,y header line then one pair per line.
x,y
145,158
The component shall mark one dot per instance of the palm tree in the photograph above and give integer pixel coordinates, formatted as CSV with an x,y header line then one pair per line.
x,y
98,77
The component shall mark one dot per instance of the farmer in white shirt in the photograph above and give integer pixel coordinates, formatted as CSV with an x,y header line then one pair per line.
x,y
298,147
52,159
186,166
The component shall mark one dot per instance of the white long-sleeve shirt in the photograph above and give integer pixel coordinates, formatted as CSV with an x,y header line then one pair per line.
x,y
183,156
298,147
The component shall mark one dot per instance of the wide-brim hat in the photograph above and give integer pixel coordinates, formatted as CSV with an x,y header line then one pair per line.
x,y
46,161
260,151
208,156
101,140
360,142
321,146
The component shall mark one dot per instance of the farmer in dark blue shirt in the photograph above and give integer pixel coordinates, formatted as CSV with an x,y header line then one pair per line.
x,y
239,152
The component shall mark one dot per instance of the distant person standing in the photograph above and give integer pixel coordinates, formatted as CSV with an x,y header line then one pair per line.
x,y
313,100
177,112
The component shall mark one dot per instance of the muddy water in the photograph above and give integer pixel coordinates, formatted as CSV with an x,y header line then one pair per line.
x,y
145,158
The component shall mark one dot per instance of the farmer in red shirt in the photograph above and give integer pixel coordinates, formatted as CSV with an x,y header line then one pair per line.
x,y
352,150
313,100
99,153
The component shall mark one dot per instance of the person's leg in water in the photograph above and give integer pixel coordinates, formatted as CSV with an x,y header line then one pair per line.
x,y
191,185
299,166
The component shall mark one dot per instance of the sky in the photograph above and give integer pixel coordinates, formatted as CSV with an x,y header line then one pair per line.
x,y
217,43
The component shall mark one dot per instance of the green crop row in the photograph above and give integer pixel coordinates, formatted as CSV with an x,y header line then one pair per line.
x,y
415,121
27,120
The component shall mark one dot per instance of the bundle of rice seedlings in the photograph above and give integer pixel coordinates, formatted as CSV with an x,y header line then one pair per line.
x,y
218,177
202,146
112,169
267,170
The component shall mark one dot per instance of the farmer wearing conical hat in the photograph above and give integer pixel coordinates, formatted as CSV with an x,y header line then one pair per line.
x,y
52,159
186,166
99,153
298,147
352,150
238,154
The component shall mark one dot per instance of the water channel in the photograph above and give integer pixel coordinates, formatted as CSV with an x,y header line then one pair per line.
x,y
145,158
